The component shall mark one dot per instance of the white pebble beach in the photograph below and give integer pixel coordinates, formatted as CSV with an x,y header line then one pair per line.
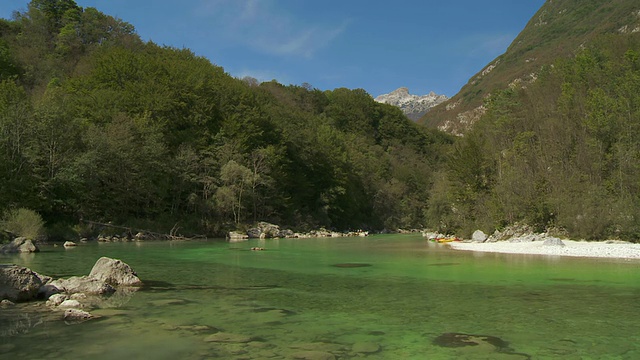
x,y
571,248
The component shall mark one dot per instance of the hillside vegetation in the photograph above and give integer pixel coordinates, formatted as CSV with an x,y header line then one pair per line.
x,y
96,124
558,30
561,153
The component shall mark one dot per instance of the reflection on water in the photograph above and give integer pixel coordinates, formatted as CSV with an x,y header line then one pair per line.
x,y
382,297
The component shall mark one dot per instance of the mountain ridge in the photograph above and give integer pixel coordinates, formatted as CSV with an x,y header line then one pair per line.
x,y
413,106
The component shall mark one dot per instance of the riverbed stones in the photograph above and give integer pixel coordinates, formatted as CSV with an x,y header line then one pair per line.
x,y
313,355
365,348
69,244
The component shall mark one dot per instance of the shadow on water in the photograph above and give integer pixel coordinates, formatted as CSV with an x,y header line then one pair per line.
x,y
351,265
159,285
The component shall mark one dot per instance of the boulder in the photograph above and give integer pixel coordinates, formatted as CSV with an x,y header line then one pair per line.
x,y
19,245
553,241
69,244
19,283
70,304
479,236
235,236
114,272
264,230
254,233
6,303
56,299
82,284
286,233
269,230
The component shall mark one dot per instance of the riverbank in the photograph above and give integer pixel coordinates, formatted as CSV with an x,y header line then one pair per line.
x,y
603,249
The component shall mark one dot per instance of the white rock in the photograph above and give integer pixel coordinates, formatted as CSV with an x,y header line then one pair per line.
x,y
70,304
479,236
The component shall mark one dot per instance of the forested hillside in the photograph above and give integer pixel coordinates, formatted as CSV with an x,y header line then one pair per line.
x,y
558,30
561,152
96,124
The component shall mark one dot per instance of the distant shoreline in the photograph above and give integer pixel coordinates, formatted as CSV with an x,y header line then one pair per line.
x,y
572,248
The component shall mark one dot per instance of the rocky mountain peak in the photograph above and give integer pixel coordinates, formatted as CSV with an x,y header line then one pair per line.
x,y
414,106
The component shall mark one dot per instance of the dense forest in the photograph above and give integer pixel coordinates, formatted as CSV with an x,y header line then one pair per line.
x,y
97,125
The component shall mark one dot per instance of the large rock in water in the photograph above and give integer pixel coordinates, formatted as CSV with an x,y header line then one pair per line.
x,y
19,283
79,284
19,245
114,272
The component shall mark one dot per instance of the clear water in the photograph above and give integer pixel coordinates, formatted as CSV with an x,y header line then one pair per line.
x,y
290,300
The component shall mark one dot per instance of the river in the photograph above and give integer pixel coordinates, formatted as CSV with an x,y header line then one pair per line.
x,y
380,297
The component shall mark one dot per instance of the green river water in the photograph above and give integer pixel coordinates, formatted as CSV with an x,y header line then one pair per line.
x,y
380,297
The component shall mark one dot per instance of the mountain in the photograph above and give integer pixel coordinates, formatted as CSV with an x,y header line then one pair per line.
x,y
414,106
558,30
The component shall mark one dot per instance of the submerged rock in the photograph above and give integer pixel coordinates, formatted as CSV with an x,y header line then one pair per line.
x,y
225,337
485,346
313,355
76,315
365,348
454,340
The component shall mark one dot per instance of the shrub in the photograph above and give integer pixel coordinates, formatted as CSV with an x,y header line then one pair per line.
x,y
23,222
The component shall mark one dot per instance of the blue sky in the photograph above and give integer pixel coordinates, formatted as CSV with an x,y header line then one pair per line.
x,y
376,45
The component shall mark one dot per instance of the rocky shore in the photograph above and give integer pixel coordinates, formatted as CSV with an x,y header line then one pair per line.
x,y
521,240
73,298
602,249
264,230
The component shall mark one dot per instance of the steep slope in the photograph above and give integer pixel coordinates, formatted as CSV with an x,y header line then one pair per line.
x,y
558,29
414,106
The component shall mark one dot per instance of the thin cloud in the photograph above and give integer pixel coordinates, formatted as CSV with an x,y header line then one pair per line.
x,y
264,27
487,44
